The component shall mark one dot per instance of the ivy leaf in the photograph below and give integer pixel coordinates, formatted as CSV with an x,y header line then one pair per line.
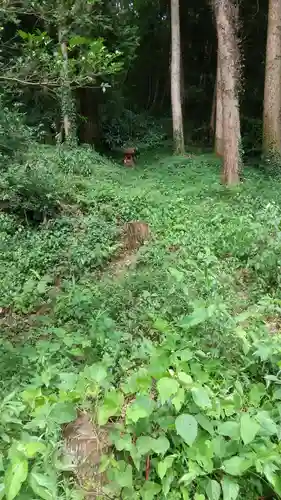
x,y
111,406
236,466
201,397
15,476
163,466
230,488
63,413
187,428
230,429
213,490
248,428
167,387
150,490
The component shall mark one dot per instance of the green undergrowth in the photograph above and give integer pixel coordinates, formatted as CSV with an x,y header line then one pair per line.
x,y
184,344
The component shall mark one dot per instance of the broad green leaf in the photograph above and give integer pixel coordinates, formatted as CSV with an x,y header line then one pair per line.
x,y
199,315
271,473
276,394
15,476
199,497
163,466
124,478
68,381
161,325
43,485
150,490
219,446
230,488
267,426
63,413
77,40
205,423
177,274
194,472
230,429
213,490
121,441
185,379
256,394
2,491
167,387
96,372
144,445
187,428
142,407
201,397
178,399
160,445
33,447
167,482
236,466
111,406
184,493
248,428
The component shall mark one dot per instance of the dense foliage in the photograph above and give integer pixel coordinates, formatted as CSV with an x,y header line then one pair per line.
x,y
180,353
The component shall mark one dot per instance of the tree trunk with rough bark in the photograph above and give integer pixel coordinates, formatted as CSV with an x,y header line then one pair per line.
x,y
229,62
176,79
219,112
272,88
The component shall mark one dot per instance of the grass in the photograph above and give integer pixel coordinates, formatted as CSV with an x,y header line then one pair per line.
x,y
212,248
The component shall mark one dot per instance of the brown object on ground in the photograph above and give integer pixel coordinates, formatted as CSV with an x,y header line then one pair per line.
x,y
135,234
130,157
84,445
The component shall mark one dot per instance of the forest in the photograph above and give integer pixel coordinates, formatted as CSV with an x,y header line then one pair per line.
x,y
140,249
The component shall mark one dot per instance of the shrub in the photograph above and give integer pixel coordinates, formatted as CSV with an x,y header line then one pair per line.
x,y
15,136
132,128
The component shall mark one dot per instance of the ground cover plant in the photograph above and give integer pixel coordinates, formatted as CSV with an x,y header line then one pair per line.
x,y
170,352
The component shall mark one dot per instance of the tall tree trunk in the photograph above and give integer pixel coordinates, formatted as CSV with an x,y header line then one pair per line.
x,y
219,111
213,111
226,19
272,88
176,79
67,102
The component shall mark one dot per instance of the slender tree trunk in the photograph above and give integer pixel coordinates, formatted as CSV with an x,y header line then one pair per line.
x,y
272,89
219,111
67,103
226,19
176,79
